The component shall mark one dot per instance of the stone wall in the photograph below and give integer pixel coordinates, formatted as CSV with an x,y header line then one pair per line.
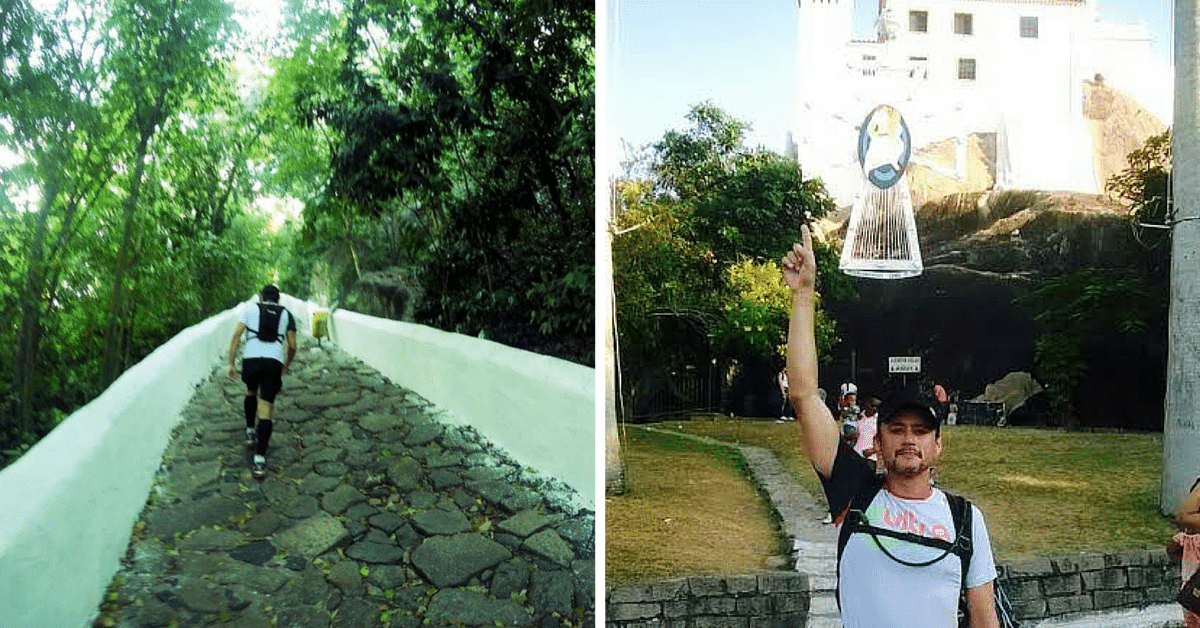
x,y
1038,589
766,600
71,500
1052,587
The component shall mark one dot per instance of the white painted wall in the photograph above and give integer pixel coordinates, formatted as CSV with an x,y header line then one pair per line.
x,y
541,410
69,504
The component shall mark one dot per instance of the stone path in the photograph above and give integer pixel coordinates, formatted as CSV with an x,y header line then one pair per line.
x,y
373,513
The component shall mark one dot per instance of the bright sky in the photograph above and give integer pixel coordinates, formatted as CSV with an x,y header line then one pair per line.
x,y
662,56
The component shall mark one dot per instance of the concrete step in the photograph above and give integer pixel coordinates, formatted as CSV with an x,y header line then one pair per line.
x,y
823,622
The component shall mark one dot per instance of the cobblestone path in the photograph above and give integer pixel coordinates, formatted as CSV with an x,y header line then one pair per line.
x,y
372,513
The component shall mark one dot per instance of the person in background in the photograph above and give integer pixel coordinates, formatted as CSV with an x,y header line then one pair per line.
x,y
267,326
784,408
867,425
847,409
1185,546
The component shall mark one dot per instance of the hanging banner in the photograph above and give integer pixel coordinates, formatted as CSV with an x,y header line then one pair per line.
x,y
884,146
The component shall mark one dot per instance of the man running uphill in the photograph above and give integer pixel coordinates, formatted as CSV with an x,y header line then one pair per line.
x,y
266,325
903,544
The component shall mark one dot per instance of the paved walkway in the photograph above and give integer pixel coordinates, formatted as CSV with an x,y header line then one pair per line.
x,y
373,513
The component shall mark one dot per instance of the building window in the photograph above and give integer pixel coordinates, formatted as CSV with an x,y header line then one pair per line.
x,y
918,21
966,69
963,24
1029,27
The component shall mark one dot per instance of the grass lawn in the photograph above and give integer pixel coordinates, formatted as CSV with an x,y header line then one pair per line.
x,y
1042,492
688,509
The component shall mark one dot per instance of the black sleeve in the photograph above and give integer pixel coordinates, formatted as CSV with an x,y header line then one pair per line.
x,y
851,474
291,321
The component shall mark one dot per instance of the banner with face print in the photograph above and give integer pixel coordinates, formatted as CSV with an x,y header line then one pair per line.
x,y
884,146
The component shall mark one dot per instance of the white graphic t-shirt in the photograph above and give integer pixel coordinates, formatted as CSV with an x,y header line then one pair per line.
x,y
255,348
875,590
878,591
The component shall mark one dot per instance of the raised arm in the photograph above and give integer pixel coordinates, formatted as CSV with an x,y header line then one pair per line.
x,y
818,431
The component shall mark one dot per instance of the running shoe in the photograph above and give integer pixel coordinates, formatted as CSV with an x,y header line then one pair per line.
x,y
260,466
251,437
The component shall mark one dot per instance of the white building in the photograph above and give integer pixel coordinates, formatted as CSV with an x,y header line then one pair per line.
x,y
1015,68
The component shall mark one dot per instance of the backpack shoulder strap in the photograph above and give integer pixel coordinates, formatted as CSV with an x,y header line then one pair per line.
x,y
251,329
961,513
855,515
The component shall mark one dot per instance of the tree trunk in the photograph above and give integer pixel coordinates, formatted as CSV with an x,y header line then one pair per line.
x,y
1181,425
29,334
113,364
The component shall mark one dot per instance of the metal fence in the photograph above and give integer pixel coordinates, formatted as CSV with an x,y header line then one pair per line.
x,y
981,413
686,391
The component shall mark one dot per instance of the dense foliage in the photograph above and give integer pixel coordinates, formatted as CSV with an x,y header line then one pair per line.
x,y
695,243
149,148
459,138
125,214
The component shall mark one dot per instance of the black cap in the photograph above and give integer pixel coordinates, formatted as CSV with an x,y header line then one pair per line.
x,y
908,399
270,292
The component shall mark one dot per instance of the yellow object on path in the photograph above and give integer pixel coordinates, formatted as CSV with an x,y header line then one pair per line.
x,y
320,325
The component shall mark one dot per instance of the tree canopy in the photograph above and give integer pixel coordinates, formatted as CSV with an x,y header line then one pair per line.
x,y
460,146
146,147
695,244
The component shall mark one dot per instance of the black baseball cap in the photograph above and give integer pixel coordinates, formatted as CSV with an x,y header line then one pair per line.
x,y
913,400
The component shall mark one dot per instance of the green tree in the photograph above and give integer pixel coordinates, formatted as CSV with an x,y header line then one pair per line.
x,y
126,183
162,53
694,251
1077,308
461,145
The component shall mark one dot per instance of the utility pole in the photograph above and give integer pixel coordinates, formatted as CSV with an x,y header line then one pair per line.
x,y
614,471
1181,427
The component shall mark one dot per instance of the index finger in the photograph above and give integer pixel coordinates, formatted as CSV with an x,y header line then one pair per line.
x,y
806,237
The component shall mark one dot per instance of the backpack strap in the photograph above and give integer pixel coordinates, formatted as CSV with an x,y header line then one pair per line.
x,y
282,311
961,514
855,512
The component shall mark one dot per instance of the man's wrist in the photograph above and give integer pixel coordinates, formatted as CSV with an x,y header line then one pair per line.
x,y
804,296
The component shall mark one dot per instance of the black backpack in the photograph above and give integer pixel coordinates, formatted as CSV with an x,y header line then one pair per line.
x,y
960,513
268,322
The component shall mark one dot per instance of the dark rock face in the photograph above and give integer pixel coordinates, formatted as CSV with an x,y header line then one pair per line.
x,y
964,325
960,315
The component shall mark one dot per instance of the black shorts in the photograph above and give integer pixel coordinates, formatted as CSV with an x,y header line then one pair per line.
x,y
263,376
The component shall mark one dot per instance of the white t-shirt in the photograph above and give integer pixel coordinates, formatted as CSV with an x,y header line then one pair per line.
x,y
255,348
877,591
